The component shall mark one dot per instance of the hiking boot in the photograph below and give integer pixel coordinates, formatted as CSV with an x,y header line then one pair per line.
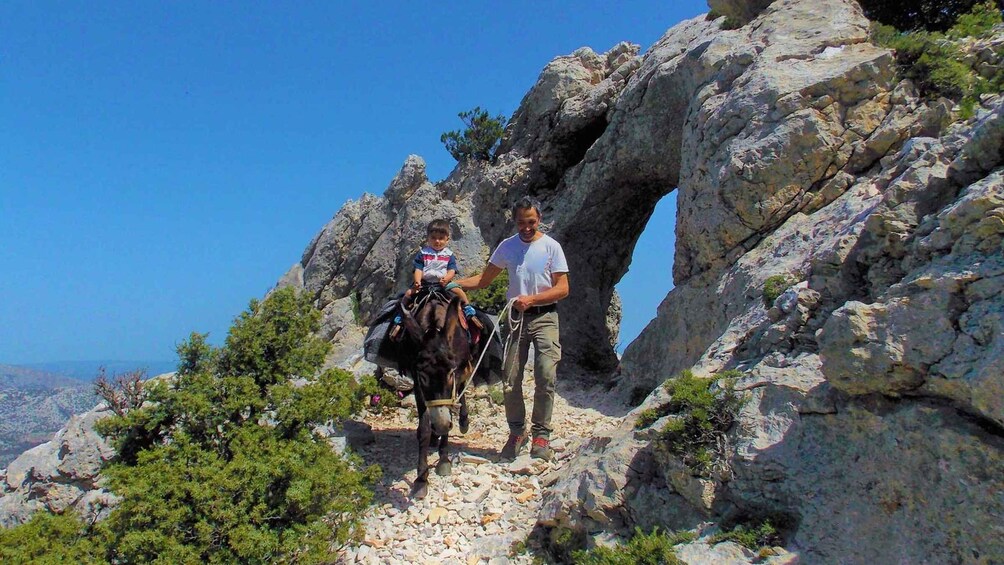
x,y
476,324
541,449
513,446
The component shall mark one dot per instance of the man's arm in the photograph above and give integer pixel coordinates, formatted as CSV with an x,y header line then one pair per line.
x,y
558,291
486,277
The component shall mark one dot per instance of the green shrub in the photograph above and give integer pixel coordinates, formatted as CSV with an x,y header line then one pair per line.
x,y
51,539
496,394
703,417
646,418
978,22
930,15
655,548
479,140
936,64
357,309
753,536
492,298
773,287
374,396
222,464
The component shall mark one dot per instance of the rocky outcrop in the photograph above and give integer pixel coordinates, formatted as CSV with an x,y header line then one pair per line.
x,y
61,474
872,425
871,384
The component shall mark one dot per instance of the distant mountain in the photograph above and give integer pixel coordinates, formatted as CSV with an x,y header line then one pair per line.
x,y
26,377
36,400
88,370
34,404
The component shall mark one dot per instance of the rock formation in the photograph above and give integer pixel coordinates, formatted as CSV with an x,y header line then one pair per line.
x,y
59,474
873,421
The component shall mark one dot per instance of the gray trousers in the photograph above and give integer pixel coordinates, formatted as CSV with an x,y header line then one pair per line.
x,y
542,331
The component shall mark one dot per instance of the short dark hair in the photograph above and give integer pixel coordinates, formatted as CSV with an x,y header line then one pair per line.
x,y
438,227
527,203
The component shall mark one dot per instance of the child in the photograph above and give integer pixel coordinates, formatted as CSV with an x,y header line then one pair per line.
x,y
436,264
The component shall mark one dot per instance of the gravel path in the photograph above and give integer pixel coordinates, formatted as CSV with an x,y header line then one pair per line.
x,y
477,513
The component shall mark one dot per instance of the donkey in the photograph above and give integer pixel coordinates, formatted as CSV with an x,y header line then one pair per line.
x,y
439,357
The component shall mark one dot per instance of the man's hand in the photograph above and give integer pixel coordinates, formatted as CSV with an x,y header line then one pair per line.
x,y
522,303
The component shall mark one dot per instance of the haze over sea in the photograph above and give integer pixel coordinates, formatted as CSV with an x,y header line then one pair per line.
x,y
162,164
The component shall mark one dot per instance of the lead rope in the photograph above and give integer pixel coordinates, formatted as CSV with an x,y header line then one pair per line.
x,y
514,324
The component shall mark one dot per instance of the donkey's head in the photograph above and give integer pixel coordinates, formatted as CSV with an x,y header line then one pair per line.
x,y
442,360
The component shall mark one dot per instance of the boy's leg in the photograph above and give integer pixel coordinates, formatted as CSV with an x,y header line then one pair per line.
x,y
468,309
460,292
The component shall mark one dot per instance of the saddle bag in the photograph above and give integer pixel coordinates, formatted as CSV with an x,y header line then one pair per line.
x,y
378,348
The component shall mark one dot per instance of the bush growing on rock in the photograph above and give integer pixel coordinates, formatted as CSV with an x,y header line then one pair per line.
x,y
935,62
479,140
930,15
754,535
773,287
655,548
222,464
702,418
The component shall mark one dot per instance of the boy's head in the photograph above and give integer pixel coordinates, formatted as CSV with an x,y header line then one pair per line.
x,y
438,234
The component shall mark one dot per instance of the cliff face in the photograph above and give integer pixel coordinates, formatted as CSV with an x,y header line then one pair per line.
x,y
874,420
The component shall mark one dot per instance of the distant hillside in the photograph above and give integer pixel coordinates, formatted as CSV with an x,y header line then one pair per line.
x,y
34,404
88,370
25,377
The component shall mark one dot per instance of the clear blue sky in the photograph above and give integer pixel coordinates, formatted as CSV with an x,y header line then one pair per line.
x,y
161,163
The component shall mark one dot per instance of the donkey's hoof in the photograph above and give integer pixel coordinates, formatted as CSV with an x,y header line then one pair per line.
x,y
465,424
420,491
443,468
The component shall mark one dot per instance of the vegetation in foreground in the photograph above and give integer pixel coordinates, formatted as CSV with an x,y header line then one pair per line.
x,y
222,464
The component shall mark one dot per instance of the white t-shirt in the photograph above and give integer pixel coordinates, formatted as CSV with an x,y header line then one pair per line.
x,y
530,265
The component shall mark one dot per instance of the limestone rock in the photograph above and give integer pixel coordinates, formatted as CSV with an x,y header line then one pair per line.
x,y
59,474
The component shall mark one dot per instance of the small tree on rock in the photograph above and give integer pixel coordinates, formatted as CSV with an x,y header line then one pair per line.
x,y
930,15
479,140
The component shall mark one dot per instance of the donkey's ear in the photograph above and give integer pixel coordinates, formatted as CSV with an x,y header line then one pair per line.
x,y
453,314
411,327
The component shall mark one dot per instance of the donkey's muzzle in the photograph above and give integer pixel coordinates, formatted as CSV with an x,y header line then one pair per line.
x,y
439,417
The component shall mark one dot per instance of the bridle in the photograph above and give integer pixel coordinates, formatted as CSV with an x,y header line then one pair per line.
x,y
514,326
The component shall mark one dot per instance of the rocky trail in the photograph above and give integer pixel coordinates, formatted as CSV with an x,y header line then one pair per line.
x,y
476,514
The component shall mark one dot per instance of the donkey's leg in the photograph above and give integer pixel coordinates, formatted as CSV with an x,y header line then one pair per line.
x,y
465,422
421,487
443,467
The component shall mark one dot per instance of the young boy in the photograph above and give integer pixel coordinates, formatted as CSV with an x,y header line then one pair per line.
x,y
436,263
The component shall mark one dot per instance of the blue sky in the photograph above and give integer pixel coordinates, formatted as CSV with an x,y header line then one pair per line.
x,y
163,163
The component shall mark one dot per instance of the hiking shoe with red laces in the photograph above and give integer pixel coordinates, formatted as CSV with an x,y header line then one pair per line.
x,y
541,449
513,446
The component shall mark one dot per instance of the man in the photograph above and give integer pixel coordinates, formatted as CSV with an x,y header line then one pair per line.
x,y
538,279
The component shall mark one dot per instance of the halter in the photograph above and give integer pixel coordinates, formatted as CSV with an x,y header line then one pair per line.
x,y
515,325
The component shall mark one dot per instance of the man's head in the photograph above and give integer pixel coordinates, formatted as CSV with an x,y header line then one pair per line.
x,y
526,214
438,233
